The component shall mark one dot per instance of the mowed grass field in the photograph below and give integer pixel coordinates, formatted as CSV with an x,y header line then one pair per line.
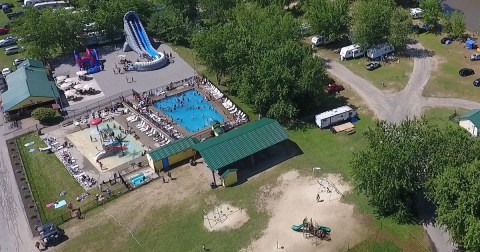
x,y
7,60
449,59
47,177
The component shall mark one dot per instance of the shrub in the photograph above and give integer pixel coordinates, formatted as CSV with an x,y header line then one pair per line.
x,y
44,114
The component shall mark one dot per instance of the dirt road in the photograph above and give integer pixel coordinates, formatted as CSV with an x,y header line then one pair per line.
x,y
408,103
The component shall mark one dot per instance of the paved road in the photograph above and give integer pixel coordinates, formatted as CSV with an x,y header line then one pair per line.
x,y
15,234
394,107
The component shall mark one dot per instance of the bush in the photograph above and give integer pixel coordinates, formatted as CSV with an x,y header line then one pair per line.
x,y
44,114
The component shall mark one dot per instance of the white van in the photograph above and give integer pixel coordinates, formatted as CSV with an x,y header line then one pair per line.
x,y
380,51
12,50
351,51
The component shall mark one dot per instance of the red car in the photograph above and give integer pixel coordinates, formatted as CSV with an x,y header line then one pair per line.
x,y
4,30
334,88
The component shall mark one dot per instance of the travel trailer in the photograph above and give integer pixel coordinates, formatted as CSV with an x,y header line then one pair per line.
x,y
334,116
416,13
380,51
351,51
319,40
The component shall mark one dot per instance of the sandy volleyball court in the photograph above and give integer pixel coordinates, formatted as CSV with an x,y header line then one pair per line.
x,y
295,198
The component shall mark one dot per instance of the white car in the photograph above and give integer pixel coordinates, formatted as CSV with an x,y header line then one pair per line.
x,y
18,61
6,71
475,56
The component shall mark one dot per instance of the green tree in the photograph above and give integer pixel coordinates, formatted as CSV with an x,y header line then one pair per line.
x,y
455,24
216,11
44,114
171,25
432,12
455,193
370,24
328,18
400,23
211,49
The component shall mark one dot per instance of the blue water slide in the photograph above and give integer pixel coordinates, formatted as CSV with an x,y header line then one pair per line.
x,y
144,40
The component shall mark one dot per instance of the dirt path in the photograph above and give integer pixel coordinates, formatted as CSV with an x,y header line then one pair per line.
x,y
394,107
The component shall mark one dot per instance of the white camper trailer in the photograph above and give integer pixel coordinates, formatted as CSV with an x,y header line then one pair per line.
x,y
416,13
380,51
27,3
351,51
334,116
319,40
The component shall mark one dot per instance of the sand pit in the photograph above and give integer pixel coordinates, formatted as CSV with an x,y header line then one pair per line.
x,y
296,197
224,217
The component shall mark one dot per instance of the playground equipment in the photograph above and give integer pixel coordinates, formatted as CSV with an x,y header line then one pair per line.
x,y
88,61
311,229
109,149
136,39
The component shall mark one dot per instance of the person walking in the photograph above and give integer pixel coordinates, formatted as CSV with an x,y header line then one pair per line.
x,y
383,84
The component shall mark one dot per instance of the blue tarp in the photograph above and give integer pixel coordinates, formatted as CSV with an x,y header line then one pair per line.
x,y
470,44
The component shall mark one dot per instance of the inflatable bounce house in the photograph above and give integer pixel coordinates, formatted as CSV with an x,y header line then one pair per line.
x,y
110,149
88,61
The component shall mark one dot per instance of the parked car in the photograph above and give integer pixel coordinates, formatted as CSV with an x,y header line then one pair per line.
x,y
373,65
475,56
334,88
8,41
6,71
13,49
15,14
466,72
476,82
4,29
417,29
18,61
445,39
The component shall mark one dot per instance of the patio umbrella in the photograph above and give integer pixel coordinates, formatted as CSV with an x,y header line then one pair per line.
x,y
70,93
60,79
81,73
121,56
65,86
96,122
87,87
78,86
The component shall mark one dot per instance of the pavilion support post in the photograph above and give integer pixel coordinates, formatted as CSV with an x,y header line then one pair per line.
x,y
252,160
214,180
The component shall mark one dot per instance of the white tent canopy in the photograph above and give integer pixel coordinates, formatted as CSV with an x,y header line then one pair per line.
x,y
81,73
70,93
65,86
87,87
78,86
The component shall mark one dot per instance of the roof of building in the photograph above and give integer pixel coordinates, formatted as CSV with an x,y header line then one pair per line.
x,y
172,148
29,80
240,143
225,173
473,116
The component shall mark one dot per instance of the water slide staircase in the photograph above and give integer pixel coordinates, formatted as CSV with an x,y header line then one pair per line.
x,y
136,39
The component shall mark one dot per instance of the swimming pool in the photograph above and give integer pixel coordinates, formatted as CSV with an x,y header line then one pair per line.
x,y
189,110
138,179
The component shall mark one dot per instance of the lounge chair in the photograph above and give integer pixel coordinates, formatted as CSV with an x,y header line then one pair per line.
x,y
233,111
151,132
140,125
147,127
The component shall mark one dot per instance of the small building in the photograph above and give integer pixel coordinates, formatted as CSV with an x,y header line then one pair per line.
x,y
29,87
471,121
237,144
229,177
164,157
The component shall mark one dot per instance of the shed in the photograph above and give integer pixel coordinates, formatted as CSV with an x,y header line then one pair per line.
x,y
28,86
240,143
470,44
471,121
229,177
172,153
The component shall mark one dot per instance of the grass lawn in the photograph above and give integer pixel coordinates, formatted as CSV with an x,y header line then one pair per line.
x,y
440,116
6,61
47,177
394,74
445,80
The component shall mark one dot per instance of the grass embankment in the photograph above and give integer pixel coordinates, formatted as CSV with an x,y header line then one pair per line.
x,y
47,177
445,80
7,61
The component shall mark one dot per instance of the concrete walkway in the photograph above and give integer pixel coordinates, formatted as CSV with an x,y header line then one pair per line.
x,y
408,103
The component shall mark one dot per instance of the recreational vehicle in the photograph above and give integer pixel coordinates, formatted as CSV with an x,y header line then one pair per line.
x,y
334,116
351,51
52,4
416,13
380,51
319,40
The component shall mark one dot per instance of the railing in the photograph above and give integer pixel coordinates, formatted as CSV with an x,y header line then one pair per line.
x,y
21,132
